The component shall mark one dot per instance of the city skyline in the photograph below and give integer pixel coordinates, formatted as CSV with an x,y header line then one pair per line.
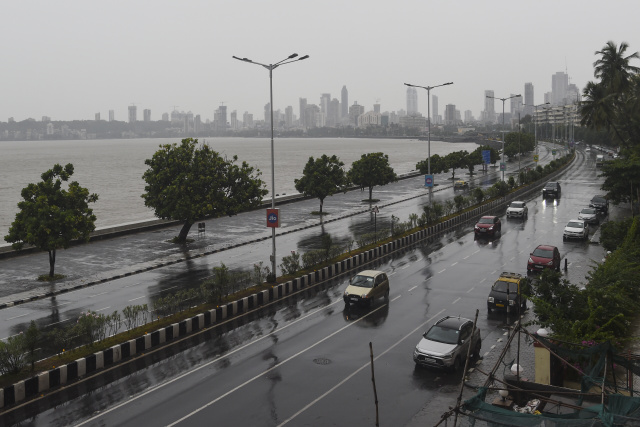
x,y
132,54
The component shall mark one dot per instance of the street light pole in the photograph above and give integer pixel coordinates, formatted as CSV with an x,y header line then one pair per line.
x,y
288,60
428,88
535,123
503,100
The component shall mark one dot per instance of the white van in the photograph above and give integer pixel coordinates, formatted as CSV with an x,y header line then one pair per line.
x,y
599,160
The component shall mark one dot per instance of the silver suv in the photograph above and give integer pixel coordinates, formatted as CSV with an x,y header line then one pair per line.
x,y
446,343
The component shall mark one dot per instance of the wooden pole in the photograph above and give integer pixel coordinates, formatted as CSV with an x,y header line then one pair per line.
x,y
466,366
373,380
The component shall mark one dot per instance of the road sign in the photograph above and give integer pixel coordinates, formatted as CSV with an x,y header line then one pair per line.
x,y
486,156
535,158
375,209
553,152
503,166
428,180
273,218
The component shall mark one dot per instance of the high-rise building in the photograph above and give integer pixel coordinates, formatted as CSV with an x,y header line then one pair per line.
x,y
333,115
376,108
97,117
450,114
288,116
198,123
267,113
111,115
528,99
303,114
247,120
548,97
220,118
515,104
146,114
234,120
489,107
434,109
325,99
354,112
165,117
559,86
133,114
344,102
468,116
412,101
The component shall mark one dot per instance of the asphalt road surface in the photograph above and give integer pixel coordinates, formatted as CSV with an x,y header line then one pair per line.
x,y
305,360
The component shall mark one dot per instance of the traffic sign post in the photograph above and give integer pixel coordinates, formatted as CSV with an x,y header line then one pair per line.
x,y
535,158
503,166
273,218
428,180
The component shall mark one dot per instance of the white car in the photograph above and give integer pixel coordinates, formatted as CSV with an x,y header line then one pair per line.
x,y
517,209
589,215
576,229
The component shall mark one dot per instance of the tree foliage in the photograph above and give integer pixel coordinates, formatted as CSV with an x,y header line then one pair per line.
x,y
51,217
370,170
322,177
190,181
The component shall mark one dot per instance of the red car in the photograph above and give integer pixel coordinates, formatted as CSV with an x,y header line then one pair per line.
x,y
487,226
544,256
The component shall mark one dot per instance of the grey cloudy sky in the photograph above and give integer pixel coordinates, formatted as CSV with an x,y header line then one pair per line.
x,y
70,59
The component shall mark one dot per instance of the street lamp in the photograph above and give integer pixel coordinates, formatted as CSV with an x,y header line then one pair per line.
x,y
503,100
291,58
428,88
535,123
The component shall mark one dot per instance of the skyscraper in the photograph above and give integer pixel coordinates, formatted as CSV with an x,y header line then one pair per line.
x,y
344,102
559,85
489,107
412,101
133,114
146,113
528,99
288,116
434,109
450,114
111,115
303,109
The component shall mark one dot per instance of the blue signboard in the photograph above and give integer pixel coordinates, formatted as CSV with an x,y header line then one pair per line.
x,y
428,180
486,156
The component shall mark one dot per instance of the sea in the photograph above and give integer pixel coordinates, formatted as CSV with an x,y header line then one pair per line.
x,y
113,168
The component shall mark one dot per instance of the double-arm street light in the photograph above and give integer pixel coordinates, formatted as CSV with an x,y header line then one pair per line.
x,y
428,88
535,124
503,165
291,58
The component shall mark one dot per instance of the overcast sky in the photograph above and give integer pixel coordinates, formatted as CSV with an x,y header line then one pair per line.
x,y
71,59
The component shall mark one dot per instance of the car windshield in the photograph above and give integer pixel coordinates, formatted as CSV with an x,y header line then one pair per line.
x,y
485,221
599,200
502,286
517,204
362,281
444,335
550,186
588,211
543,253
575,224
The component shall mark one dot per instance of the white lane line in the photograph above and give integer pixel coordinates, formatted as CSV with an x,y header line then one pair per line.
x,y
406,266
476,252
427,279
454,263
133,284
493,346
412,288
391,274
6,338
103,309
493,272
165,290
276,366
442,271
158,387
55,323
65,303
354,373
456,300
15,317
512,258
472,288
466,257
97,295
136,298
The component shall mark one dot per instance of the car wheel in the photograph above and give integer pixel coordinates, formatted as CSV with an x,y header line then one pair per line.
x,y
346,303
564,238
524,305
488,308
457,365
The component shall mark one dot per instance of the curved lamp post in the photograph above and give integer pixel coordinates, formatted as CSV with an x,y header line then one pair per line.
x,y
503,100
428,88
288,60
535,123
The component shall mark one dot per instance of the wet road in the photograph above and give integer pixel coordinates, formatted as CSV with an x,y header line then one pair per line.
x,y
305,360
101,258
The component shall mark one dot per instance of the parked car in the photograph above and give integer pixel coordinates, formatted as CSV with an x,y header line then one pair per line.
x,y
487,226
600,204
517,209
544,256
589,215
576,229
366,286
506,293
551,189
446,343
460,185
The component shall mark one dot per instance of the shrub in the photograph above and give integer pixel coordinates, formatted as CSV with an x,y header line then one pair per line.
x,y
12,354
290,263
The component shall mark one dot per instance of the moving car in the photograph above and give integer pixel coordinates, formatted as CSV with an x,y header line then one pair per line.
x,y
366,286
487,226
551,189
576,229
460,185
544,256
446,343
589,215
506,294
517,209
600,204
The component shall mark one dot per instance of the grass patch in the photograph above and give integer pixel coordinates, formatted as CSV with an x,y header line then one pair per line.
x,y
180,242
370,200
319,213
47,278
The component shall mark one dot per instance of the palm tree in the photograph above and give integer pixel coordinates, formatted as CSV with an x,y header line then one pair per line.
x,y
613,67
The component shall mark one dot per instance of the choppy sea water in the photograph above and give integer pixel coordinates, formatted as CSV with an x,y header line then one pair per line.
x,y
113,168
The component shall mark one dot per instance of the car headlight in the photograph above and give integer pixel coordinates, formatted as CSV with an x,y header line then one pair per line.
x,y
530,260
364,295
490,299
512,302
448,356
550,262
346,294
491,228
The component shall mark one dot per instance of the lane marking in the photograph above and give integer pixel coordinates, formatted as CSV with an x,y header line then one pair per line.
x,y
493,272
456,300
483,280
55,323
454,263
412,288
136,298
472,288
441,271
476,252
466,257
97,295
406,266
165,290
15,317
103,309
366,365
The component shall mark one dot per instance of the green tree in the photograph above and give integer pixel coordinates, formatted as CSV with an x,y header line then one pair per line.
x,y
456,160
32,337
189,181
322,177
370,170
438,165
51,217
